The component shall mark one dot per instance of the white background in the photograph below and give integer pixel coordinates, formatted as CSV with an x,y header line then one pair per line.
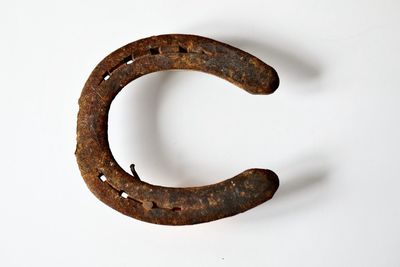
x,y
331,133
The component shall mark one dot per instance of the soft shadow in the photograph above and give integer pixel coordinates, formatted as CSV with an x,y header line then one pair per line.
x,y
303,182
303,186
293,62
295,65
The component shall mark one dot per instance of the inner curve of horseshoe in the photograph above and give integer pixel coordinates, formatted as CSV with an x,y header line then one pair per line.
x,y
126,193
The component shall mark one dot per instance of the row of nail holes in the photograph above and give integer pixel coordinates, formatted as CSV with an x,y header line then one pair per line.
x,y
129,60
125,195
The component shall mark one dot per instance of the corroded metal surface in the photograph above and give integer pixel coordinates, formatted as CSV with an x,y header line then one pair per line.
x,y
157,204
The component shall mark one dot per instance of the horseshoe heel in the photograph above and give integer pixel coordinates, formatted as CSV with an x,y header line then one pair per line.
x,y
126,193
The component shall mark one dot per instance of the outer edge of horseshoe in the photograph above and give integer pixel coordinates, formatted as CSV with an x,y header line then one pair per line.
x,y
157,204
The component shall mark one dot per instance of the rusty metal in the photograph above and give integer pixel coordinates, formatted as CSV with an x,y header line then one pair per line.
x,y
156,204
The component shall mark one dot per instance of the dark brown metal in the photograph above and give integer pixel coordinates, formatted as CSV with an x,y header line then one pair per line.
x,y
156,204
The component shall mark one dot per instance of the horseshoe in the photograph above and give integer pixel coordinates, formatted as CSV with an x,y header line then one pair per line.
x,y
126,193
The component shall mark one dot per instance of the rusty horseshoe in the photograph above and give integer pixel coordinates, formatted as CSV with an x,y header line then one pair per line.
x,y
126,193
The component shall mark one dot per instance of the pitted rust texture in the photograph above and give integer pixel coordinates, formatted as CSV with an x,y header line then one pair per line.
x,y
157,204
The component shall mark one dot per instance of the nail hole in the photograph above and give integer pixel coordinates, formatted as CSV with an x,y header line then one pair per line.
x,y
182,49
176,209
106,76
154,51
102,177
128,60
148,205
123,194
